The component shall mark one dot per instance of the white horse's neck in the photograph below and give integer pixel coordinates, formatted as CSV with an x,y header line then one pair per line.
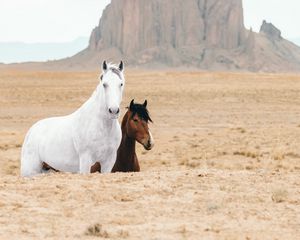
x,y
94,109
103,107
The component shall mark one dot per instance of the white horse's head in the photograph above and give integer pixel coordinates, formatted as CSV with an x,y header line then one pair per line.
x,y
112,82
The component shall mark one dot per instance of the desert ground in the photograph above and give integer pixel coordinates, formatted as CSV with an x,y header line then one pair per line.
x,y
226,161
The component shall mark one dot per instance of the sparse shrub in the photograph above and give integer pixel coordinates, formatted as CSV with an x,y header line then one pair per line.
x,y
123,234
97,231
248,154
278,156
292,155
279,195
249,167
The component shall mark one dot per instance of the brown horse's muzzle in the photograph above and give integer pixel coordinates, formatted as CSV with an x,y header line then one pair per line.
x,y
149,143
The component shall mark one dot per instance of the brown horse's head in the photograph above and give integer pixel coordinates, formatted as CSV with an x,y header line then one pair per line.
x,y
137,124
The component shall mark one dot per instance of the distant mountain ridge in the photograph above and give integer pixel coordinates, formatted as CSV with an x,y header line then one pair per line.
x,y
15,52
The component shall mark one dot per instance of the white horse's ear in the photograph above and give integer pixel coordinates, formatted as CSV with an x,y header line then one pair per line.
x,y
104,66
121,66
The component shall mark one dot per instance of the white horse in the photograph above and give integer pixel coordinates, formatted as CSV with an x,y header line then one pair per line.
x,y
75,142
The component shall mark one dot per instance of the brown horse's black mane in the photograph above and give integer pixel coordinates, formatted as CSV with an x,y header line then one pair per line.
x,y
141,111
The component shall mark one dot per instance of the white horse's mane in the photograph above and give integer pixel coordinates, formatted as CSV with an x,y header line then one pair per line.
x,y
114,68
111,65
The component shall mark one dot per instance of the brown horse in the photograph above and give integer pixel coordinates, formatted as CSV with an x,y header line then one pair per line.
x,y
134,128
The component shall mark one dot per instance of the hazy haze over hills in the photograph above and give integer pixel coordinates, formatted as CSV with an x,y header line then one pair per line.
x,y
15,52
295,40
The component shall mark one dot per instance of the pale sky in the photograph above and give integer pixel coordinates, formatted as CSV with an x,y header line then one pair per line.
x,y
284,14
65,20
48,20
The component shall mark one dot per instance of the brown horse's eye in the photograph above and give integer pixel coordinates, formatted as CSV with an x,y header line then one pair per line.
x,y
135,120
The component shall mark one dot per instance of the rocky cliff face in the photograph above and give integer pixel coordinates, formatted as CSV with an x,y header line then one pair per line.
x,y
207,34
270,31
136,25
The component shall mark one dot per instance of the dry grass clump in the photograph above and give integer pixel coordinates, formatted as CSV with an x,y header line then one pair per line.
x,y
248,154
191,163
279,195
183,230
6,147
96,230
292,155
240,129
278,156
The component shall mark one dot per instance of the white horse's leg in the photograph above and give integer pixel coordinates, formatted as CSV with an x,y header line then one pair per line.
x,y
30,162
85,164
31,166
107,165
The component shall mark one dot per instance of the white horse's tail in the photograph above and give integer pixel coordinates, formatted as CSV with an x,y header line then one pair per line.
x,y
30,161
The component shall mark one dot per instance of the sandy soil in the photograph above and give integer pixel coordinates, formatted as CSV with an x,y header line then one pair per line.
x,y
226,164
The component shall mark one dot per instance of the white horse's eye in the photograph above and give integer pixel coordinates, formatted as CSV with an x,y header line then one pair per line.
x,y
105,85
122,84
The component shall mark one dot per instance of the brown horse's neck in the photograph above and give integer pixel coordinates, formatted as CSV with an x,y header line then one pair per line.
x,y
126,156
127,145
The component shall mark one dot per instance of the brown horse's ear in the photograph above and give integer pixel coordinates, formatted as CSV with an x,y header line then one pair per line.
x,y
121,66
131,104
145,103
